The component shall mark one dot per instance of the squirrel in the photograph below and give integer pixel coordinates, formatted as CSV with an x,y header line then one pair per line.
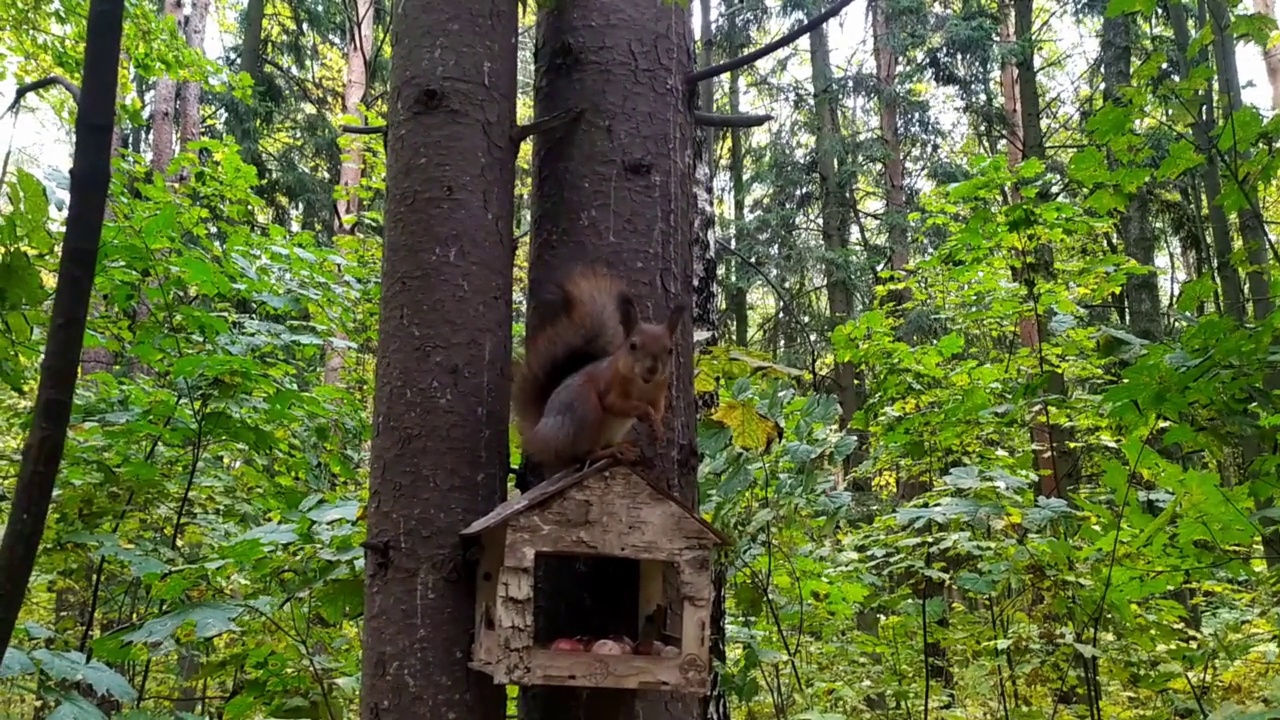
x,y
590,373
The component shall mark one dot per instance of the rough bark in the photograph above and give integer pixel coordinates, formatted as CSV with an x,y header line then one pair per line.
x,y
1202,130
616,189
441,405
90,181
1141,292
189,92
1271,54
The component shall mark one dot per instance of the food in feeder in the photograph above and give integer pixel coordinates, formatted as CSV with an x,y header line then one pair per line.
x,y
670,651
609,647
650,647
568,645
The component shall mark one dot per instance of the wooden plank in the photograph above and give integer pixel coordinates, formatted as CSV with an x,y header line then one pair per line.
x,y
633,672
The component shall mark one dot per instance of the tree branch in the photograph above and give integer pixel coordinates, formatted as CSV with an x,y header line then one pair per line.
x,y
742,61
364,129
709,119
550,122
40,85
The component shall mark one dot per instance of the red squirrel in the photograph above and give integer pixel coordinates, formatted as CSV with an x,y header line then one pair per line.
x,y
590,373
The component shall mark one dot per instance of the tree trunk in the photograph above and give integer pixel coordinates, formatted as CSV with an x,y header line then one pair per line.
x,y
1141,292
347,206
1009,89
1202,130
162,105
441,405
616,189
737,178
251,46
189,92
1270,55
1254,235
90,182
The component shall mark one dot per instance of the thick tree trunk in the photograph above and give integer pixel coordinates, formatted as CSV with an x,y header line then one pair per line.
x,y
441,406
189,92
90,182
1141,292
616,189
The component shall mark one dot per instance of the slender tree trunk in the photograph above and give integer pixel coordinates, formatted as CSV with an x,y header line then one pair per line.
x,y
715,706
1254,235
90,182
441,405
162,106
737,179
628,163
189,92
1141,292
1009,88
251,46
347,206
1270,55
1202,129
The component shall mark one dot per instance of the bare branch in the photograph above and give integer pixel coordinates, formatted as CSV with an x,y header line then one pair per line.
x,y
549,122
707,119
364,129
742,61
40,85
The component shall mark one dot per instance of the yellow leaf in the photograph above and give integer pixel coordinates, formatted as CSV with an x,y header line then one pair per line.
x,y
751,430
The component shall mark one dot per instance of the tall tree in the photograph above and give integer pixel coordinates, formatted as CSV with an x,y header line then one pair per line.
x,y
627,164
1141,292
439,449
163,104
90,180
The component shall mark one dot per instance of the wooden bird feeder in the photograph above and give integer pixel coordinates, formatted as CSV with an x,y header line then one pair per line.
x,y
603,511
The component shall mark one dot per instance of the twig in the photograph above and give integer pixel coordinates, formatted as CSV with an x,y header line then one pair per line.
x,y
549,122
742,61
709,119
40,85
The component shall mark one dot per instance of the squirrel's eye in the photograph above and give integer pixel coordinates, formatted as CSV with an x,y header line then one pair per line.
x,y
634,345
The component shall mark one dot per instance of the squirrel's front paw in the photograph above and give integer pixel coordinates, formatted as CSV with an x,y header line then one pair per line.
x,y
626,452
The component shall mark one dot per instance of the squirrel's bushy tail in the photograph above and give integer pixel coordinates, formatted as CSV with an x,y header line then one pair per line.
x,y
590,324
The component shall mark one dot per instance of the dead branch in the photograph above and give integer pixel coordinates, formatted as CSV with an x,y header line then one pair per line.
x,y
707,119
549,122
41,84
742,61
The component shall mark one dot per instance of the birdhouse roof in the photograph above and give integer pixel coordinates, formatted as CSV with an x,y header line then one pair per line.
x,y
558,485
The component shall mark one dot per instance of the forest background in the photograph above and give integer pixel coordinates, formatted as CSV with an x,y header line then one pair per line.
x,y
989,381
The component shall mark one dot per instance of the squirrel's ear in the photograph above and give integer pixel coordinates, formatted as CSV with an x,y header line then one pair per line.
x,y
677,314
628,314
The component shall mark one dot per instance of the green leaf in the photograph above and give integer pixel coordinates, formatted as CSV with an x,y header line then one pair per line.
x,y
211,619
75,707
71,666
15,662
1182,157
